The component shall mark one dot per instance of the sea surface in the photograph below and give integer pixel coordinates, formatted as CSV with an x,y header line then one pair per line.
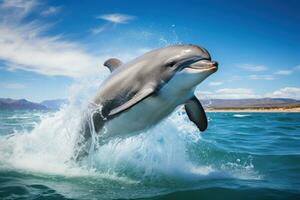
x,y
240,156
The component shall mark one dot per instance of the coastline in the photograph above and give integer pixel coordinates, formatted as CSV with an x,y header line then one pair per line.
x,y
258,110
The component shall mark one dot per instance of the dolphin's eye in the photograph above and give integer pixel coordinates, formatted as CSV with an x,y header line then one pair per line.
x,y
171,64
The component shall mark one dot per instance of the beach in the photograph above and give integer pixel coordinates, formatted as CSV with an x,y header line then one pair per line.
x,y
258,110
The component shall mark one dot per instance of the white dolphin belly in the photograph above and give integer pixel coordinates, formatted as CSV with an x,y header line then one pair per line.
x,y
145,114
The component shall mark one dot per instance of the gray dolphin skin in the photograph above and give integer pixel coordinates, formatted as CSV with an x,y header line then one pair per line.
x,y
139,94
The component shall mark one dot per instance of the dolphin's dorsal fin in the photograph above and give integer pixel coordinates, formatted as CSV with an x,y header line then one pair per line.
x,y
196,113
112,64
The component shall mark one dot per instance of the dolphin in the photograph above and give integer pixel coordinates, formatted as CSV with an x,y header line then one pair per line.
x,y
139,94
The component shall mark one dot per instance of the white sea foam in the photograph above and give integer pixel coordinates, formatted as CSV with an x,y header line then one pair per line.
x,y
241,115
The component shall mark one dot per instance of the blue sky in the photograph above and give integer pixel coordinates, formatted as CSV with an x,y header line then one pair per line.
x,y
47,45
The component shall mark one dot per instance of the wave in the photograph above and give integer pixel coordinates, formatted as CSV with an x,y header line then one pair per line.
x,y
241,115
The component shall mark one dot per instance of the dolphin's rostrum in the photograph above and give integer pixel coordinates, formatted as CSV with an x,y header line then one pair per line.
x,y
139,94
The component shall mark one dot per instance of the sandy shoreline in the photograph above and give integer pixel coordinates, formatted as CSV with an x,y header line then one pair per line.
x,y
267,110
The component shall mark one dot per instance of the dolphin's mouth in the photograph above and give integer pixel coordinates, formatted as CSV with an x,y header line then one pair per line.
x,y
202,64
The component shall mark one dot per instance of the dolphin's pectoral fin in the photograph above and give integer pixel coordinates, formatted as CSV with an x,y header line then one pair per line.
x,y
196,113
112,64
134,100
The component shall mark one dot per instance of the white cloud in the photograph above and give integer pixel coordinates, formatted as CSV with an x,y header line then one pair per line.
x,y
215,83
287,92
16,9
229,93
51,11
29,47
261,77
283,72
24,47
253,68
12,85
244,93
287,71
25,5
117,18
98,29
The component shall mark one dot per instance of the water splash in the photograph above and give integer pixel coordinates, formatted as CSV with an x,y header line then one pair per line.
x,y
157,153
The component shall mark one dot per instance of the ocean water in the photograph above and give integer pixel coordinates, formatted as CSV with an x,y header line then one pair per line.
x,y
240,156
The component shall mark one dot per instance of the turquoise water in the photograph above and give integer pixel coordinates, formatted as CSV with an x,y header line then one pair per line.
x,y
240,156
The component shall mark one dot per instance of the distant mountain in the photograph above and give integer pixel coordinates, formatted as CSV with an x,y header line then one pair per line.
x,y
16,104
54,104
251,103
13,104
